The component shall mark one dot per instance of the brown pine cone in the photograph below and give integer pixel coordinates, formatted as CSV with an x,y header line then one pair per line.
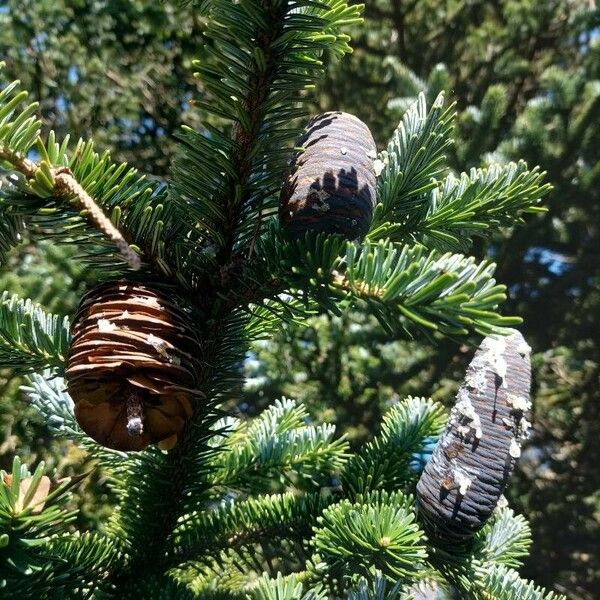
x,y
470,466
331,187
133,366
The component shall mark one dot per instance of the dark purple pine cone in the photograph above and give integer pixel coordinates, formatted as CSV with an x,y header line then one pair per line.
x,y
470,466
331,186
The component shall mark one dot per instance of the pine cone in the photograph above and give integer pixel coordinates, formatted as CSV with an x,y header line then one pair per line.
x,y
331,187
133,366
470,466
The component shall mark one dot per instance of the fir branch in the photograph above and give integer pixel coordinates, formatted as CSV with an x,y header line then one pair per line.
x,y
33,513
406,287
414,206
31,339
143,480
66,185
67,195
265,319
376,587
378,532
434,587
50,192
19,131
283,269
48,395
159,587
265,55
17,134
414,158
233,524
229,575
223,578
278,444
502,583
479,204
384,463
29,510
504,541
19,127
448,293
73,566
285,588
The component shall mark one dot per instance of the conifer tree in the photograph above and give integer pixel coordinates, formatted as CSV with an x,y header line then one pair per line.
x,y
525,76
119,70
190,270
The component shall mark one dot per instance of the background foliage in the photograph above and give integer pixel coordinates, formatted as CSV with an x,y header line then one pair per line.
x,y
526,79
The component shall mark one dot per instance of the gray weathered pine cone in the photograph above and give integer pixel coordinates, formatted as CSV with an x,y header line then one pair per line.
x,y
465,478
331,186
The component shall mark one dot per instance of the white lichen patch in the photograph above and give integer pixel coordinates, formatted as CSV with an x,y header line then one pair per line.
x,y
518,403
464,419
458,478
515,448
463,431
524,349
525,428
148,301
159,345
105,326
489,358
519,425
500,369
495,349
464,407
462,480
162,348
379,166
475,379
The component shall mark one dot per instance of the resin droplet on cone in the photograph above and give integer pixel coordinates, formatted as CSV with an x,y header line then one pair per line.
x,y
470,466
331,187
133,366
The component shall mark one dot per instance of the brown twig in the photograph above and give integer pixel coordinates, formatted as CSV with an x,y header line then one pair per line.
x,y
65,184
22,164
